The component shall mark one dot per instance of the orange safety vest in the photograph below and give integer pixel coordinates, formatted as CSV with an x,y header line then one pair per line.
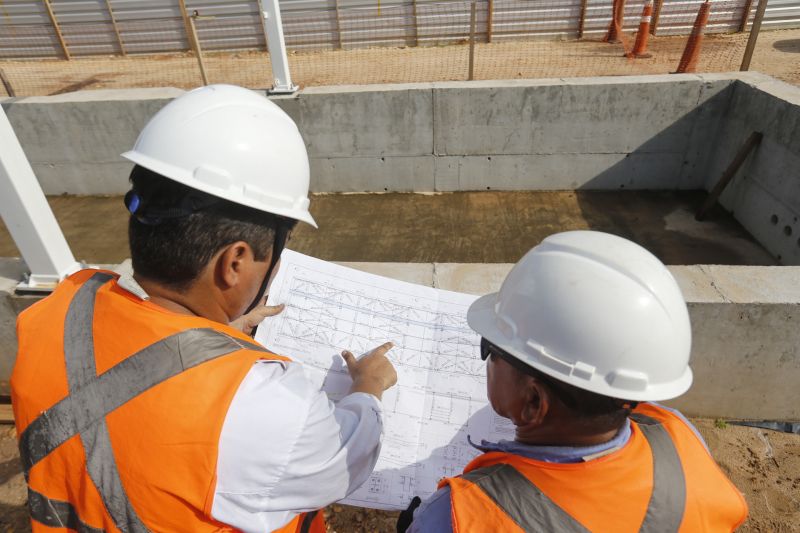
x,y
119,405
662,480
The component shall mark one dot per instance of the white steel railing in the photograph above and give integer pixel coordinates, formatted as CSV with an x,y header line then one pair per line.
x,y
28,217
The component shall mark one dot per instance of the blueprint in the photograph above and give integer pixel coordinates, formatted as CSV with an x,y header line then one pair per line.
x,y
440,396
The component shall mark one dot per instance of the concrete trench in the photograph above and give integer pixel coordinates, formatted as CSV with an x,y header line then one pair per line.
x,y
491,168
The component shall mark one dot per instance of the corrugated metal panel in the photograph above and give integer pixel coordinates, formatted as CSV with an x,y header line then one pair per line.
x,y
782,14
157,26
26,30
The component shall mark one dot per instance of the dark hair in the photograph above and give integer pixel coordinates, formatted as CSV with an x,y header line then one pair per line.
x,y
595,410
173,246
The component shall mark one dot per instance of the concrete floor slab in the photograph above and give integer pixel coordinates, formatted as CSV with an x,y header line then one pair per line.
x,y
463,227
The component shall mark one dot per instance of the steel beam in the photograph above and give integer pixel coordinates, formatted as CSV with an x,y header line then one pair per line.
x,y
28,217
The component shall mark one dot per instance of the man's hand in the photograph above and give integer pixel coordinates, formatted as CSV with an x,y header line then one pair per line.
x,y
247,323
373,373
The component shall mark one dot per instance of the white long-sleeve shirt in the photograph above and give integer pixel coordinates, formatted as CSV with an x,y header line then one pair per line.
x,y
285,448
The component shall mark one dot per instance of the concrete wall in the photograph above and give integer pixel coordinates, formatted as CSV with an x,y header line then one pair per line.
x,y
745,326
643,132
765,195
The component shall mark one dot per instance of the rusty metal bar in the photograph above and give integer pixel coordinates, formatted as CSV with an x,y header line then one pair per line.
x,y
728,175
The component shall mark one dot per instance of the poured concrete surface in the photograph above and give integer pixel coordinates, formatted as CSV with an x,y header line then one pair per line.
x,y
464,227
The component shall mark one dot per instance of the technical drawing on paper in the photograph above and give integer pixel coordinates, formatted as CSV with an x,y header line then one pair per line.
x,y
440,396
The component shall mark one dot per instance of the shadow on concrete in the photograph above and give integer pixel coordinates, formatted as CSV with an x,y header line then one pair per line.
x,y
663,221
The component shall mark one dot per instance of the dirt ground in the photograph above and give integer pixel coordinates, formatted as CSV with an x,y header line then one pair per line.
x,y
764,464
776,54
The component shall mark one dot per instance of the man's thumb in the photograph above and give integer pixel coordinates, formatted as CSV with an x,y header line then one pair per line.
x,y
349,359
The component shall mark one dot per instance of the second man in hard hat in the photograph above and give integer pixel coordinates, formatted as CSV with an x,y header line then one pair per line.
x,y
137,406
587,330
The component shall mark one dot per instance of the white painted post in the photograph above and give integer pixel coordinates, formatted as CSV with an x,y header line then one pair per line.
x,y
28,217
273,28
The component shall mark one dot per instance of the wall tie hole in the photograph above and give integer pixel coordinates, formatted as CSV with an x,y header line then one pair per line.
x,y
773,219
787,230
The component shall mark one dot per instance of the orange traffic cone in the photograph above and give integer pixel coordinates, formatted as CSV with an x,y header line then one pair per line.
x,y
640,46
691,53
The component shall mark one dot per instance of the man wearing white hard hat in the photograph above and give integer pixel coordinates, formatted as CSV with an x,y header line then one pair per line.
x,y
587,330
139,407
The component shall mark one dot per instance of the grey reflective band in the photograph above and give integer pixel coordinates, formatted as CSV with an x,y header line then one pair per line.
x,y
668,499
81,374
534,511
522,501
308,519
55,513
92,397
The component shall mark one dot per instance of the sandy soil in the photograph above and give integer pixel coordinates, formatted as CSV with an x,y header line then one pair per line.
x,y
765,465
776,54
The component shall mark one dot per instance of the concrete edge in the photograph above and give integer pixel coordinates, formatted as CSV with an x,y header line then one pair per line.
x,y
739,284
104,95
745,353
754,79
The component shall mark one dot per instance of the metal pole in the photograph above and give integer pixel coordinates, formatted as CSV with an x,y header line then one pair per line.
x,y
28,217
472,13
197,49
416,22
582,19
754,29
191,36
57,28
748,5
656,16
282,79
489,20
7,84
338,24
116,27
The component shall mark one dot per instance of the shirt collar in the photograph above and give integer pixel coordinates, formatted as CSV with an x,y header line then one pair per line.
x,y
558,454
129,284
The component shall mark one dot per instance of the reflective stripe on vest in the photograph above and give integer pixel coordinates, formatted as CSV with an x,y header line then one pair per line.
x,y
92,397
55,513
532,510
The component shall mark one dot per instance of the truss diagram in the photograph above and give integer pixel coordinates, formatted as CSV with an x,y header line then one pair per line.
x,y
440,397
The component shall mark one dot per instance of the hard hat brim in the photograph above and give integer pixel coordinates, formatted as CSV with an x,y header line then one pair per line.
x,y
181,176
482,318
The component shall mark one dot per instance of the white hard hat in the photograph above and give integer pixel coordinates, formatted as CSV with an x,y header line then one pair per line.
x,y
232,143
595,311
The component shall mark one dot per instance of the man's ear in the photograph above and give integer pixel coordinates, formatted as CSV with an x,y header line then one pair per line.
x,y
537,402
230,262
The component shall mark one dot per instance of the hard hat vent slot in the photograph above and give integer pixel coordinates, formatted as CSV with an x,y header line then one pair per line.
x,y
213,176
583,371
541,355
628,380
